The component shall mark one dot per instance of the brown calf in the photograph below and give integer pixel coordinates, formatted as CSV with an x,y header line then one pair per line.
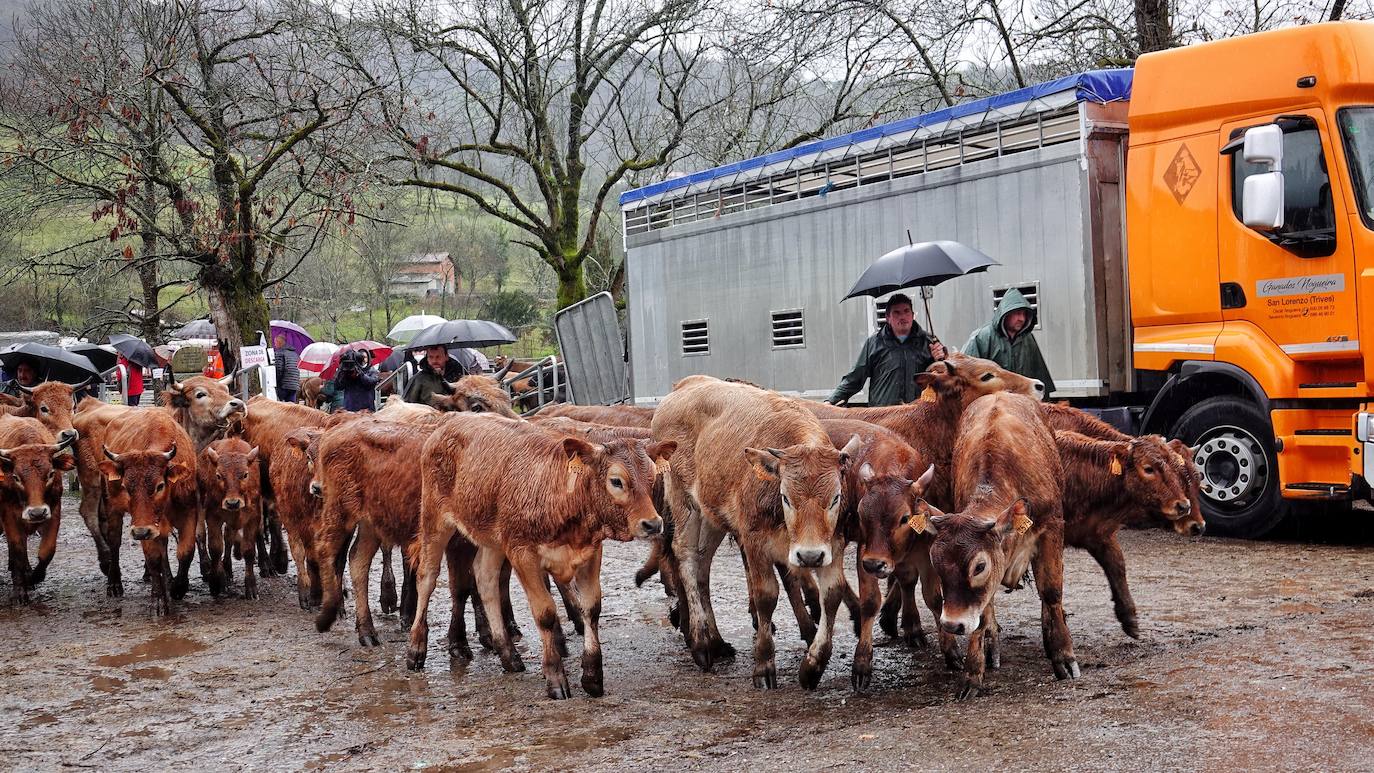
x,y
203,407
311,393
758,466
51,402
150,474
230,492
477,394
882,483
1008,495
298,509
483,476
31,466
266,426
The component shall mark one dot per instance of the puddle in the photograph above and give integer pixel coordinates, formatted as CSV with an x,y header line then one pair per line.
x,y
160,647
152,672
107,683
38,721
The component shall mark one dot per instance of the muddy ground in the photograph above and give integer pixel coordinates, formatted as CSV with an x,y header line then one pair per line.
x,y
1252,655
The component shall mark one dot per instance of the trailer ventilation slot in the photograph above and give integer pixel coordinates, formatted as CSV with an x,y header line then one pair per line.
x,y
789,329
1031,291
696,337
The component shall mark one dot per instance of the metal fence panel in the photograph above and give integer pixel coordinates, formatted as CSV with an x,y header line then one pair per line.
x,y
593,351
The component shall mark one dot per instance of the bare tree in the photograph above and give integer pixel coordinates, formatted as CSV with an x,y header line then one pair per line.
x,y
382,250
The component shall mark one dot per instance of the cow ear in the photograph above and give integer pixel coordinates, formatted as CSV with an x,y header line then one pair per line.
x,y
919,486
113,471
926,517
925,379
1015,519
662,450
63,461
177,472
764,462
579,450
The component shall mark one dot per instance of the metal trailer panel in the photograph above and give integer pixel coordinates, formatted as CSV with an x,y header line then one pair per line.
x,y
1026,210
593,351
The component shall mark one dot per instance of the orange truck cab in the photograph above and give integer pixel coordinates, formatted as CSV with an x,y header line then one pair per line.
x,y
1250,232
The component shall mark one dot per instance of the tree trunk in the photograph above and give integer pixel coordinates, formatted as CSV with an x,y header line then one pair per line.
x,y
617,287
1337,11
572,283
237,308
150,325
1154,28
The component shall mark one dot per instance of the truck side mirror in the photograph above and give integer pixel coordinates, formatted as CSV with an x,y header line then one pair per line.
x,y
1262,196
1262,205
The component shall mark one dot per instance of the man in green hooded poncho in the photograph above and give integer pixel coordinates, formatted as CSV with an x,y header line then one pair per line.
x,y
1008,340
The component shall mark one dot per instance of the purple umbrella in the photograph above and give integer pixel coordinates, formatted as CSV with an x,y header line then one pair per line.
x,y
296,337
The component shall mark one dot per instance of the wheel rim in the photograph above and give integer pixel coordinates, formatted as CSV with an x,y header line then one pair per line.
x,y
1235,469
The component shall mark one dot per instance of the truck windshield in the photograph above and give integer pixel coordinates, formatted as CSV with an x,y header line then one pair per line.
x,y
1357,125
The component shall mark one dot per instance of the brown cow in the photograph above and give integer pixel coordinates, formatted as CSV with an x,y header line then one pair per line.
x,y
611,415
882,484
758,466
476,394
266,426
483,475
93,419
51,402
1009,501
229,478
203,407
311,393
298,509
150,473
31,466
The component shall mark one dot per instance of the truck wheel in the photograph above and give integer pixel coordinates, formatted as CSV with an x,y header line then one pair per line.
x,y
1240,472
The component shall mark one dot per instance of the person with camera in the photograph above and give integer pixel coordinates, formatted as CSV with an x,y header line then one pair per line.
x,y
357,383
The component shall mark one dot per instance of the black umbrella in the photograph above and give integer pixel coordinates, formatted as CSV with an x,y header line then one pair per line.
x,y
103,359
396,360
135,350
924,264
462,332
196,328
54,364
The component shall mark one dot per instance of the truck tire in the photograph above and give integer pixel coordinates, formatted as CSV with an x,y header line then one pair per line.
x,y
1241,494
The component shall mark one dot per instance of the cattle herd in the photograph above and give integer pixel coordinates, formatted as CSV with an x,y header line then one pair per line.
x,y
977,486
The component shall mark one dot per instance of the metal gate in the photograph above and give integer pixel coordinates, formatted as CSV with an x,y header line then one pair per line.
x,y
593,351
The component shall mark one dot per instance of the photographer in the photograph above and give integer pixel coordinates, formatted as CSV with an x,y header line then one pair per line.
x,y
357,383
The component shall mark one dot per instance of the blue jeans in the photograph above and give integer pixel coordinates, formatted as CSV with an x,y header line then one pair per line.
x,y
287,395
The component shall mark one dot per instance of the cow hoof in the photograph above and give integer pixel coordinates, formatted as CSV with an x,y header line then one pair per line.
x,y
888,625
162,606
766,676
460,652
512,663
968,689
558,688
415,659
20,596
250,592
722,650
642,576
407,620
702,657
369,640
1066,669
179,588
861,677
593,686
917,640
36,576
810,673
114,589
1131,628
280,561
954,662
514,632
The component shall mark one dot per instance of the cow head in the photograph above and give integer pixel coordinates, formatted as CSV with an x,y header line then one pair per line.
x,y
1191,523
476,394
140,483
1146,468
617,479
809,485
33,475
886,505
305,445
964,379
229,472
52,403
203,405
970,553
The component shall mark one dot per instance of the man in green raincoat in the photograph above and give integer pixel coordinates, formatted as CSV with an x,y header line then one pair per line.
x,y
891,358
1009,340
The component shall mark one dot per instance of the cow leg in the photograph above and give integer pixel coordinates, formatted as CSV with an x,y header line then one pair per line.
x,y
214,533
709,541
870,598
388,599
90,514
19,558
651,562
587,591
459,554
263,551
186,552
316,584
558,639
992,639
206,564
47,545
686,532
155,566
407,605
232,549
763,592
832,584
892,606
974,662
303,579
507,611
249,531
434,538
1113,562
800,594
912,631
359,570
1048,566
531,576
570,608
280,560
488,569
935,602
113,523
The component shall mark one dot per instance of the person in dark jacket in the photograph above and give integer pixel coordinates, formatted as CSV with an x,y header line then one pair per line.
x,y
25,375
436,371
891,358
357,382
288,371
1009,340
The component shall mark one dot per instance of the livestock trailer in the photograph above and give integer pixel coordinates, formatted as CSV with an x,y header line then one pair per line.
x,y
738,271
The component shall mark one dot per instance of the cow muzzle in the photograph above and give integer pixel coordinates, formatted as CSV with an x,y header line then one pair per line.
x,y
1182,508
650,527
234,406
316,489
961,625
233,505
1196,529
68,436
141,533
810,557
1038,386
37,514
877,567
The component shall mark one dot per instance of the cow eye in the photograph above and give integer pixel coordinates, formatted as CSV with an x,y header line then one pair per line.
x,y
201,395
980,568
618,483
786,501
160,487
905,518
243,475
987,377
43,409
835,501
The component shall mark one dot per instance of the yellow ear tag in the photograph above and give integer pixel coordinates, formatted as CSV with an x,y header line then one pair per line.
x,y
576,466
928,395
918,522
1116,466
1021,524
661,466
760,474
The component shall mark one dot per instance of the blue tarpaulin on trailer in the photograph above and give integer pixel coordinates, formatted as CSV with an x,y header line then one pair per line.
x,y
1100,86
